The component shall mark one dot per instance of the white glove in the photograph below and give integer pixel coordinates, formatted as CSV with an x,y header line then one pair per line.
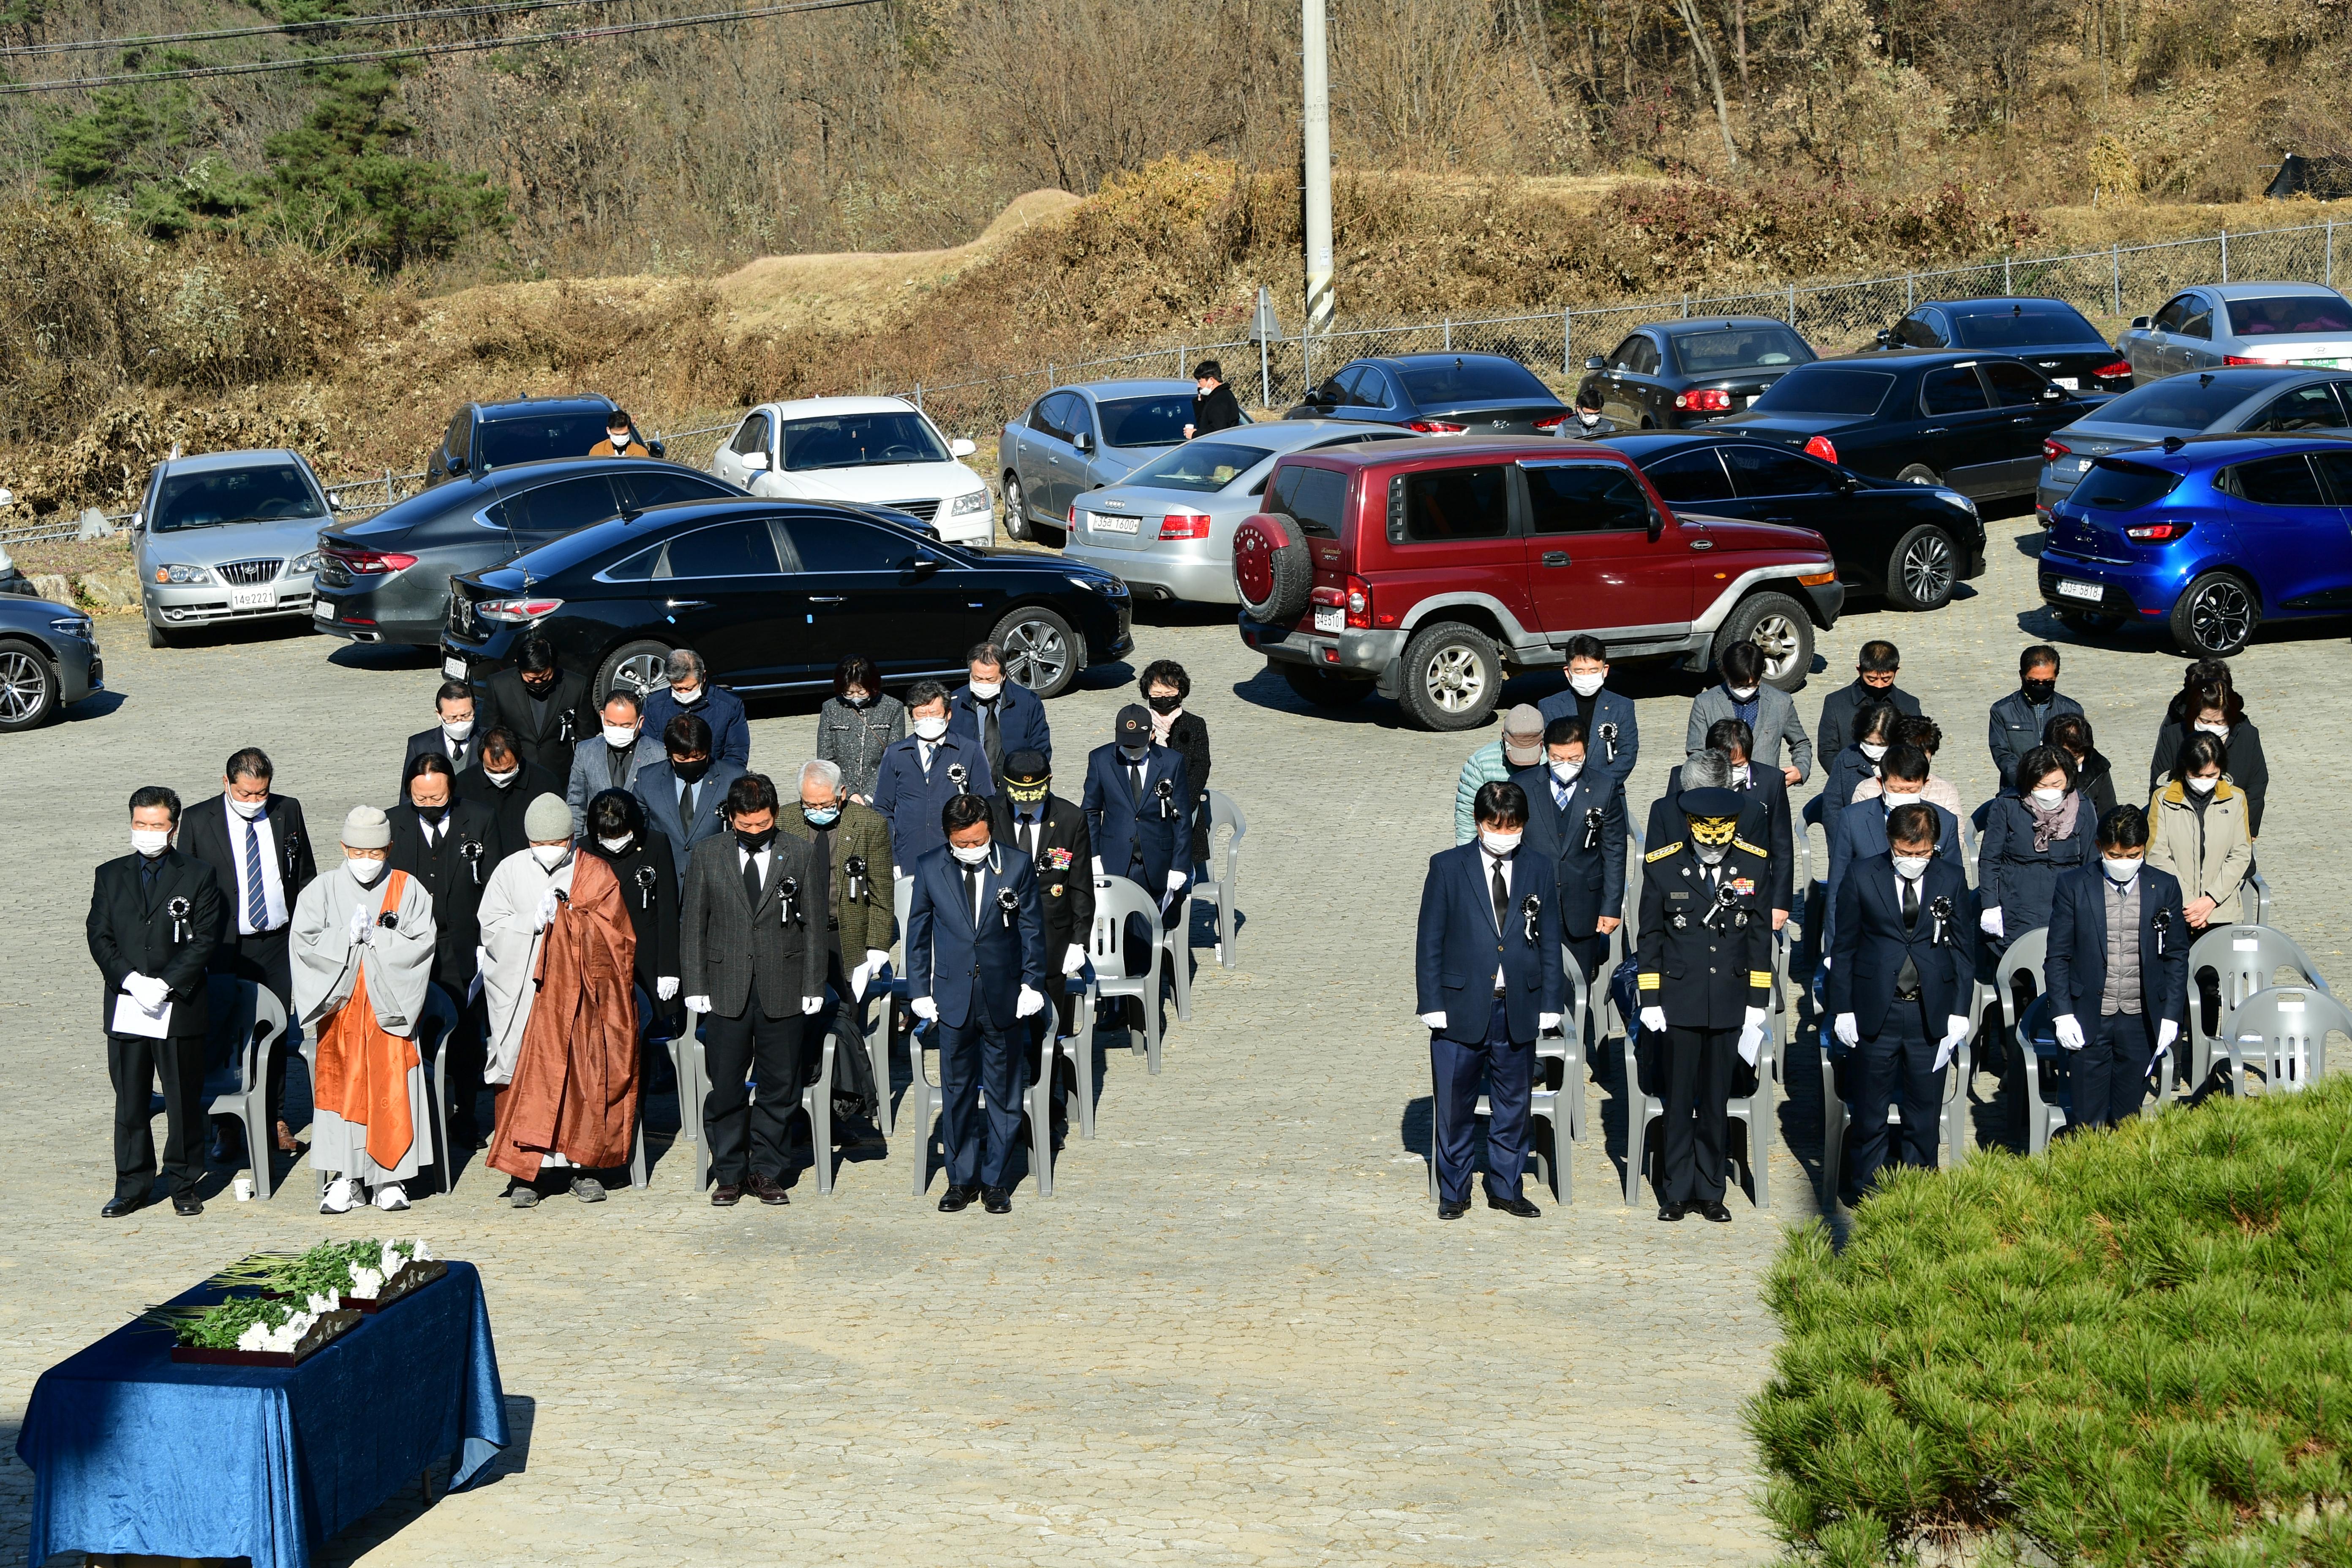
x,y
1956,1030
150,993
1098,870
547,905
359,927
2167,1031
2069,1032
923,1007
666,988
1751,1034
875,959
1029,1004
1825,962
809,1005
1435,1020
698,1004
1074,959
1655,1019
1991,920
1175,882
857,979
1848,1032
1547,1022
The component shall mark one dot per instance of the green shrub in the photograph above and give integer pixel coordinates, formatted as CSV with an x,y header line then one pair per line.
x,y
2134,1351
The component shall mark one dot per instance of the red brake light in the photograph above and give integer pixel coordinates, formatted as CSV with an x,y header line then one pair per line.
x,y
367,563
1822,446
1073,517
2155,532
1359,603
1705,400
2053,450
516,610
2119,371
1185,525
1435,426
1550,421
2241,359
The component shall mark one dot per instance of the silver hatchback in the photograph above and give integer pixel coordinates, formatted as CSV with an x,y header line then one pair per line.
x,y
228,537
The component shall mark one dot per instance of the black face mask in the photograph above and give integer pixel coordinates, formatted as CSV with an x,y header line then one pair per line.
x,y
692,772
540,685
2038,692
754,842
1164,705
433,814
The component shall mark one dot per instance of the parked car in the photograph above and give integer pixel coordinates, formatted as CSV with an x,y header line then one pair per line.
x,y
227,537
2216,325
485,435
878,451
1167,529
1974,422
2273,398
48,661
1430,570
1079,438
772,592
386,579
1670,376
2050,335
1913,543
2209,537
1439,395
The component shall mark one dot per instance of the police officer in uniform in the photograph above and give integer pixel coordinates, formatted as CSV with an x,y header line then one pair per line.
x,y
1706,926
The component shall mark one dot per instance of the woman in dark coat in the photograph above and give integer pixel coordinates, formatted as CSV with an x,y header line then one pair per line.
x,y
2045,827
2094,776
1165,687
649,887
2208,701
1873,731
857,723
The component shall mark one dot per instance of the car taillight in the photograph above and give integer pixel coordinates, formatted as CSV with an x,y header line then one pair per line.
x,y
1072,518
1551,422
1705,400
367,563
1185,525
1435,426
2155,532
2118,371
2241,359
516,610
1358,602
1822,446
2053,450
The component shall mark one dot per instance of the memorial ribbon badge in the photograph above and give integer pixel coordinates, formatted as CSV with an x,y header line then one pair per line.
x,y
855,869
178,910
1593,827
645,881
788,901
1007,902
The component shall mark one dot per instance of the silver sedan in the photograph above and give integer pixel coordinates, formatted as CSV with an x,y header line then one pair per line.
x,y
228,536
2219,324
1167,530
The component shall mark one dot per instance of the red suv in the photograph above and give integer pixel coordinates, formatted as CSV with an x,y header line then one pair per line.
x,y
1428,571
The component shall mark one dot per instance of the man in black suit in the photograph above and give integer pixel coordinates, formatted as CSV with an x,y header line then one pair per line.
x,y
501,782
683,793
1027,815
1713,768
451,845
452,739
154,919
259,853
1874,671
1138,818
546,708
1576,822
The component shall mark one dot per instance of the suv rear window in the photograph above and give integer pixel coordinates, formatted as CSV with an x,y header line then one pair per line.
x,y
535,437
1824,389
1318,498
2026,327
1446,504
2113,486
1471,380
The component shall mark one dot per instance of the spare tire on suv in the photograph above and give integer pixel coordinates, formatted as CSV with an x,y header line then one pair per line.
x,y
1273,570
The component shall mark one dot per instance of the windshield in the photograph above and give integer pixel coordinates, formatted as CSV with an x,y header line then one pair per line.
x,y
1820,389
1199,465
1739,348
2026,327
2289,313
1156,421
2177,403
1472,381
270,493
2112,486
540,436
860,441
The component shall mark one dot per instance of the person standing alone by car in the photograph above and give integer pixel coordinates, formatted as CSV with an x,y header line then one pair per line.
x,y
620,438
1214,406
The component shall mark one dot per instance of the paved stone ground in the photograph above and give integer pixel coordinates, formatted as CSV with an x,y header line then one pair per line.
x,y
1235,1335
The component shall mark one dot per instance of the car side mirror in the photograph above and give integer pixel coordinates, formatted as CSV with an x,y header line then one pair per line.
x,y
2053,393
961,446
925,565
1885,338
1083,442
657,447
334,501
456,465
2140,323
757,462
1657,525
1594,361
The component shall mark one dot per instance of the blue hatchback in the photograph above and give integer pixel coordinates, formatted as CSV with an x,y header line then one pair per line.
x,y
2216,535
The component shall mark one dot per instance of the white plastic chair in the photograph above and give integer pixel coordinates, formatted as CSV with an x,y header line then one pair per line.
x,y
433,1023
2283,1032
1219,889
1752,1112
2246,960
1079,1046
694,1072
252,1021
1116,899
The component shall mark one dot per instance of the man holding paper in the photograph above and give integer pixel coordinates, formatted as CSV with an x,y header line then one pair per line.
x,y
155,916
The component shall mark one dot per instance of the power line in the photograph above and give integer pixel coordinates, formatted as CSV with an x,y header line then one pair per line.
x,y
414,51
391,18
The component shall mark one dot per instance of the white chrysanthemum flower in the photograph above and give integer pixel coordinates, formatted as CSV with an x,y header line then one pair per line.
x,y
255,1337
322,1303
367,1282
419,1251
393,1263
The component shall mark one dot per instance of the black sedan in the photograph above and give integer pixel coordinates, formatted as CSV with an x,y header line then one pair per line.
x,y
2050,335
773,592
387,579
1911,542
1669,375
1439,395
1974,422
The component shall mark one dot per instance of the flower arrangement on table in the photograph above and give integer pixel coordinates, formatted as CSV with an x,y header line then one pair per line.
x,y
300,1300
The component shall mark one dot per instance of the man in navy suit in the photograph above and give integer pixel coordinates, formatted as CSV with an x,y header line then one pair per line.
x,y
1135,819
1576,824
975,966
996,715
1613,740
2117,969
685,794
1487,981
1900,987
1859,832
921,773
452,737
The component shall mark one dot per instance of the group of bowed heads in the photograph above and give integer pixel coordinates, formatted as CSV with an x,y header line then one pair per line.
x,y
566,885
1523,907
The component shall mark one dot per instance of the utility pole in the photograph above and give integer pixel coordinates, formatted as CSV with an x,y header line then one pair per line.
x,y
1317,143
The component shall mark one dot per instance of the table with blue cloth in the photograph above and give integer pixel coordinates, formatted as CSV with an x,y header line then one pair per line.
x,y
133,1452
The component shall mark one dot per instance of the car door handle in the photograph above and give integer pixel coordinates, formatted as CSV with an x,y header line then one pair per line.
x,y
826,598
1555,557
687,603
1937,430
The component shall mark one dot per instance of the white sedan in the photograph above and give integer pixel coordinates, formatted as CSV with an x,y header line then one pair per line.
x,y
877,451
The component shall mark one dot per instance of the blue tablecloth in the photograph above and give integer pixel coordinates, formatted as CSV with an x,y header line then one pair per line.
x,y
132,1451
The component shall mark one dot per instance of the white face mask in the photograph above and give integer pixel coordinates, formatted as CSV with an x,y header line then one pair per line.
x,y
614,845
1896,797
248,809
551,856
502,780
2205,785
1871,750
2223,731
2049,797
457,729
1911,868
1741,693
971,855
987,691
619,737
687,696
363,871
150,841
620,440
1586,685
2119,870
1566,771
1500,844
929,728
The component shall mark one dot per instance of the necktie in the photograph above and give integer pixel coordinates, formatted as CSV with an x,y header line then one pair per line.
x,y
991,737
685,809
256,895
1910,902
1029,836
1502,895
1135,775
1559,796
971,893
751,878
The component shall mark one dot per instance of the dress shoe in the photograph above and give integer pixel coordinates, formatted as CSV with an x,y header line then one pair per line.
x,y
726,1195
117,1207
1670,1212
1715,1210
996,1200
1519,1206
187,1205
769,1190
955,1200
1450,1210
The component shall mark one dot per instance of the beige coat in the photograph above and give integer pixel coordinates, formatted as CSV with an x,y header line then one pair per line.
x,y
2210,859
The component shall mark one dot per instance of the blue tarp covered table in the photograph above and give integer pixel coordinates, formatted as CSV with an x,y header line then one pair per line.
x,y
132,1451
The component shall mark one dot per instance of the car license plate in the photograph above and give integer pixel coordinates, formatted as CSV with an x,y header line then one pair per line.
x,y
323,611
1110,523
1330,618
453,668
2070,383
253,598
2090,590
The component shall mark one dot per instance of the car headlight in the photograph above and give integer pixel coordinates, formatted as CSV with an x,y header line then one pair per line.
x,y
312,562
966,505
1108,587
76,626
183,574
1957,499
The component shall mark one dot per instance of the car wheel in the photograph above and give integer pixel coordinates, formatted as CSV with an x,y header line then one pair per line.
x,y
1273,573
2215,616
1041,651
29,687
158,637
1452,676
636,668
1923,571
1779,626
1322,687
1016,509
1920,474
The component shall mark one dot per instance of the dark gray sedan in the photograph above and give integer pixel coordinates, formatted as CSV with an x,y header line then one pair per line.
x,y
2276,398
48,661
